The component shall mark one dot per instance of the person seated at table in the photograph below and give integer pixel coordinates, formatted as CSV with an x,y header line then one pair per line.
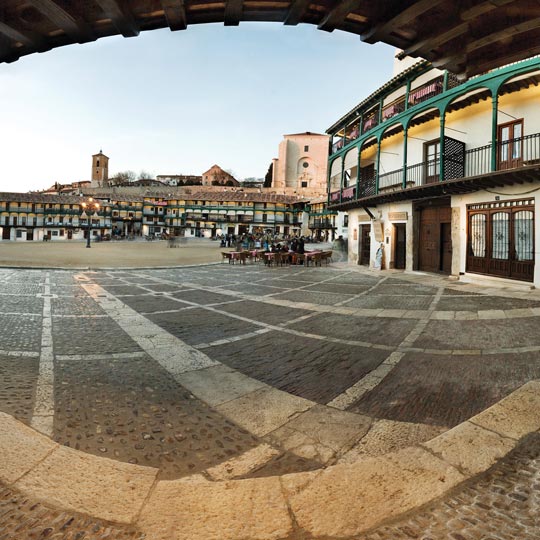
x,y
294,245
285,248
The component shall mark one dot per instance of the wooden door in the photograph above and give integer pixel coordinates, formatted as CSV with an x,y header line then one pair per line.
x,y
29,234
365,245
510,145
435,249
446,248
400,246
6,233
429,248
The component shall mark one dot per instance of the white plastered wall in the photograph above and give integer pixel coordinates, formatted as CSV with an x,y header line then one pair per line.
x,y
387,214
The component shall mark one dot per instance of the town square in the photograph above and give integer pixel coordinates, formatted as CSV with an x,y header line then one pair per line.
x,y
304,317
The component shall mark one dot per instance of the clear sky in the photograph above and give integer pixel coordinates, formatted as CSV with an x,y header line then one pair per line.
x,y
178,102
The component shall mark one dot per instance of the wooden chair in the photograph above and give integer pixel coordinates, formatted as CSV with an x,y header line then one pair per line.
x,y
226,256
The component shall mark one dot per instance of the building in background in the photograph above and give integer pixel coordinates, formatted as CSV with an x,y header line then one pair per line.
x,y
100,170
301,166
216,176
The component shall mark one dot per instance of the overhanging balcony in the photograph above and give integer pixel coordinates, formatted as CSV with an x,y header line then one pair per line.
x,y
512,161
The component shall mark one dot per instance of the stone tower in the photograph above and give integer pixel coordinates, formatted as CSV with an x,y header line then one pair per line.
x,y
100,170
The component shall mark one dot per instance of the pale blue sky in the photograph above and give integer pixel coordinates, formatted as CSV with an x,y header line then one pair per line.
x,y
176,103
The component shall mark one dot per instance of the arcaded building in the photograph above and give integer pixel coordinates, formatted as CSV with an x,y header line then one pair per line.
x,y
443,174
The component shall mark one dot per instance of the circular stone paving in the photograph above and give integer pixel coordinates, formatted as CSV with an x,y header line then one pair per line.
x,y
231,372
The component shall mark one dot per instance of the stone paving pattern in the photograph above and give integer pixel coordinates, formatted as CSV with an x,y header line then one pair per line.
x,y
414,351
503,504
22,518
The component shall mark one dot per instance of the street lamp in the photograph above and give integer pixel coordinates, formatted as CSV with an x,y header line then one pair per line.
x,y
90,205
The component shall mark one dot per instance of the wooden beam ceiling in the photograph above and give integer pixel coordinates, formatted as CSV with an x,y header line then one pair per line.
x,y
119,13
175,13
76,29
233,12
467,37
297,11
402,18
28,39
337,16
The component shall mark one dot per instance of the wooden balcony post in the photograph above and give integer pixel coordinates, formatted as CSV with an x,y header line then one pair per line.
x,y
378,165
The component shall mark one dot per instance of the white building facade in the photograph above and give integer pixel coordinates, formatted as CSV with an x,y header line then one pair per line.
x,y
443,175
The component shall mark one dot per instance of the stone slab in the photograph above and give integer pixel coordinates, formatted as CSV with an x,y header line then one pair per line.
x,y
321,432
387,436
470,448
91,485
21,448
218,384
374,489
515,415
265,410
253,509
241,465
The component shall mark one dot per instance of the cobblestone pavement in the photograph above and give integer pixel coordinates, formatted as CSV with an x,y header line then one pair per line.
x,y
504,504
22,518
203,370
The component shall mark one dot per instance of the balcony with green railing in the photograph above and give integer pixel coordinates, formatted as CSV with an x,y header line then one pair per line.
x,y
457,162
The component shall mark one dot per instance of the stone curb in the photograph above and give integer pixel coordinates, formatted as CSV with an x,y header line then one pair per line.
x,y
342,500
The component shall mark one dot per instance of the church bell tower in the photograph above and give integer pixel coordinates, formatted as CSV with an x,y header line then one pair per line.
x,y
100,170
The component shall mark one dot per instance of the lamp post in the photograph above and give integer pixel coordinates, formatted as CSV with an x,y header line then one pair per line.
x,y
90,205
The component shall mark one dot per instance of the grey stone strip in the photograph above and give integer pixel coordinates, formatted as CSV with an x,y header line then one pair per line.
x,y
43,412
79,316
23,354
19,314
241,337
367,383
111,356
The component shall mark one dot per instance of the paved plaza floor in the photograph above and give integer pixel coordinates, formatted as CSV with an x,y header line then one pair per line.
x,y
224,373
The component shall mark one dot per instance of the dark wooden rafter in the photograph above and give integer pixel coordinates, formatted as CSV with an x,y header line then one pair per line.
x,y
175,13
402,18
437,39
297,12
233,12
507,32
336,16
121,16
28,39
76,29
481,8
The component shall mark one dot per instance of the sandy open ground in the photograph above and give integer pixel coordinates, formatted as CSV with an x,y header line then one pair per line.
x,y
140,253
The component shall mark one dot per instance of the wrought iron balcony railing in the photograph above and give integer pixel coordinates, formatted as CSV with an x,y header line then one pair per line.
x,y
457,163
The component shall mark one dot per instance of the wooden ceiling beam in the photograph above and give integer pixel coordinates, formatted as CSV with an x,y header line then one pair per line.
x,y
337,15
437,39
508,32
402,18
297,12
175,13
77,30
233,12
29,39
122,18
482,8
